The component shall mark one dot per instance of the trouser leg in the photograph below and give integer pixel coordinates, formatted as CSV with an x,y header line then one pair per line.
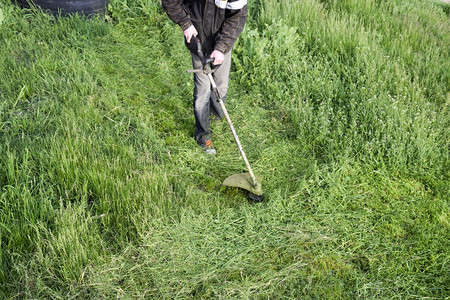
x,y
205,101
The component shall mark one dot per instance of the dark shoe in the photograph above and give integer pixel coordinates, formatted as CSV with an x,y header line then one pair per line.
x,y
208,147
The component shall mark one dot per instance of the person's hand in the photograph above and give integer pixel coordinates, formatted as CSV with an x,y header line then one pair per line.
x,y
188,33
218,56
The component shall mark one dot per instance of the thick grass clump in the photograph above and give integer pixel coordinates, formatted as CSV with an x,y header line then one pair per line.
x,y
342,108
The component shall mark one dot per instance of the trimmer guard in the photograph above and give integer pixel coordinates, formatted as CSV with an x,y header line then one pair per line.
x,y
244,181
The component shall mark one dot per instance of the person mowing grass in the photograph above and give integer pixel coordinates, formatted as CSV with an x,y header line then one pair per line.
x,y
218,24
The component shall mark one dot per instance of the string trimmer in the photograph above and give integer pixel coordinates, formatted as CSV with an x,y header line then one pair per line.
x,y
246,181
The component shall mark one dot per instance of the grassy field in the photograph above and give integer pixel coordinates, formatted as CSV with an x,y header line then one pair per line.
x,y
342,108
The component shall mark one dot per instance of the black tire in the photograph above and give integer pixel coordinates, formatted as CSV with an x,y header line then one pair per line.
x,y
66,7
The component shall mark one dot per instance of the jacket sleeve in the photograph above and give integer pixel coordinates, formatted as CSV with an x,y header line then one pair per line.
x,y
177,13
235,17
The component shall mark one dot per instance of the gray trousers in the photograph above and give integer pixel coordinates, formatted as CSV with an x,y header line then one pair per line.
x,y
205,102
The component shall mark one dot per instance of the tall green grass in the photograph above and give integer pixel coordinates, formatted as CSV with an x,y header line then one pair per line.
x,y
342,107
350,89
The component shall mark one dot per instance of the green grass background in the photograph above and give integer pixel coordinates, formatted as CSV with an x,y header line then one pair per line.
x,y
342,108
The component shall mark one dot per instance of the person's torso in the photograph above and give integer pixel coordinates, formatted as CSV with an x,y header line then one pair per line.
x,y
208,17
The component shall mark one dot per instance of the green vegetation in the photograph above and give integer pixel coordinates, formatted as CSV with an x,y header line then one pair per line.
x,y
342,108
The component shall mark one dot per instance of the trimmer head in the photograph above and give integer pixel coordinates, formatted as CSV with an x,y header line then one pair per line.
x,y
244,181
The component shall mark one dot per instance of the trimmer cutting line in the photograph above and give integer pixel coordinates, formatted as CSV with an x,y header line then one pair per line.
x,y
247,181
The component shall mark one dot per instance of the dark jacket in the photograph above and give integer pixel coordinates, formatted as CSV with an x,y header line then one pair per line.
x,y
218,22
